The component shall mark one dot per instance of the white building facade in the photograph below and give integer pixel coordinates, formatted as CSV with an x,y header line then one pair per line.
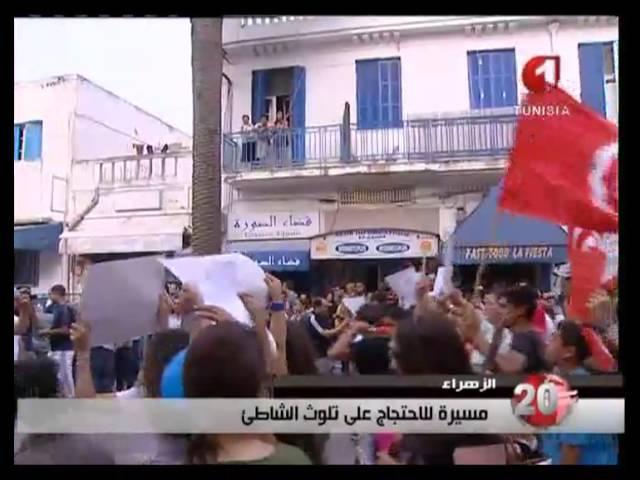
x,y
84,184
397,127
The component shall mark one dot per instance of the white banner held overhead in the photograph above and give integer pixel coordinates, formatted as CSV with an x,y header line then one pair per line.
x,y
304,416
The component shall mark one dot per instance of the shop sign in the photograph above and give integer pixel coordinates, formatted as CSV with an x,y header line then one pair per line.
x,y
374,243
264,226
515,254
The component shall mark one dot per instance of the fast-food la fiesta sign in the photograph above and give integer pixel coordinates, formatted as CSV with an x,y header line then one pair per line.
x,y
508,254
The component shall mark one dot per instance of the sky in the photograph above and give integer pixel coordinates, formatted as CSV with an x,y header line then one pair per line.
x,y
145,61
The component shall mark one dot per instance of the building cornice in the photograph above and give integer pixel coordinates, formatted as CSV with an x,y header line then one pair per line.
x,y
276,38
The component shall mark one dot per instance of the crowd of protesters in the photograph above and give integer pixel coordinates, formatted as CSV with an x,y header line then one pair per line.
x,y
208,355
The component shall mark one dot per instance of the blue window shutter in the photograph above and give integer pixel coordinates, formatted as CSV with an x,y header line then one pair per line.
x,y
33,141
592,76
487,98
473,61
298,113
510,78
367,93
361,94
396,93
16,142
379,93
492,78
259,81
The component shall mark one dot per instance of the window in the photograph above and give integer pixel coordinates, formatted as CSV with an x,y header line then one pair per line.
x,y
609,63
598,79
610,81
26,267
492,78
27,141
379,93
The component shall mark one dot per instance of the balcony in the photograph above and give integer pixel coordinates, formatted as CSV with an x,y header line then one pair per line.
x,y
128,204
438,144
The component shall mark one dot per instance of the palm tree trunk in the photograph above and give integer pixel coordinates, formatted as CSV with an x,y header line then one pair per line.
x,y
206,66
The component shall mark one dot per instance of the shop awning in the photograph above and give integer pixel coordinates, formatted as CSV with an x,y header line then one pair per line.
x,y
275,255
37,237
492,235
84,243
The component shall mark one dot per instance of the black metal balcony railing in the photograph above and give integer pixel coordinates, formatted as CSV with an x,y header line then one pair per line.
x,y
428,140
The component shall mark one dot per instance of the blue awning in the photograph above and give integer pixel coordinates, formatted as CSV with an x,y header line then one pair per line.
x,y
492,235
37,237
275,255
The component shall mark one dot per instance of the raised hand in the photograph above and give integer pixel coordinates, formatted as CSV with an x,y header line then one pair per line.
x,y
80,336
255,306
274,286
213,314
465,316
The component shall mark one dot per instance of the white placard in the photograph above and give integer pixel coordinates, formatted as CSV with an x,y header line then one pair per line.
x,y
354,303
310,416
220,279
375,243
263,226
405,283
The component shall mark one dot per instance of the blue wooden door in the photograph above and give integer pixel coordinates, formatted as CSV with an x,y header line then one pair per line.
x,y
298,114
259,83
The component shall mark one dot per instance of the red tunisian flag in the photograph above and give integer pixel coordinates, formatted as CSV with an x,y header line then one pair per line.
x,y
588,264
564,164
594,265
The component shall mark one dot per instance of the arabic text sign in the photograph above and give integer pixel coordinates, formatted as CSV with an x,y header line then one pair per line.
x,y
281,261
507,254
262,226
375,243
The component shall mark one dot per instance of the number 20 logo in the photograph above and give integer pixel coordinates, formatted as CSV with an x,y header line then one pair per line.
x,y
542,400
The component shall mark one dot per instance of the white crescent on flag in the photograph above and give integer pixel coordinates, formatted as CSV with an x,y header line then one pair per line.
x,y
603,161
582,239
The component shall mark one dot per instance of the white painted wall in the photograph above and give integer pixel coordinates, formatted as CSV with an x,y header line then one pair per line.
x,y
107,125
80,121
83,121
52,102
50,272
434,69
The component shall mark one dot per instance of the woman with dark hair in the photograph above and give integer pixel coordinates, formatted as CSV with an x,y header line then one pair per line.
x,y
301,360
430,344
301,354
227,361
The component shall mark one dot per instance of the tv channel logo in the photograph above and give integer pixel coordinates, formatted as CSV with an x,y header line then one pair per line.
x,y
541,72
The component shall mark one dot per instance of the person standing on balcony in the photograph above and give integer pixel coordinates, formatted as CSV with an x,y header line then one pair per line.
x,y
281,140
264,140
248,140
